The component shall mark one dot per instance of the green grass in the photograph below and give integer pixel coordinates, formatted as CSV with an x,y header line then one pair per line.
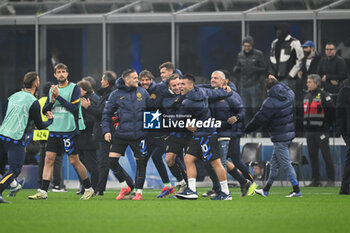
x,y
319,210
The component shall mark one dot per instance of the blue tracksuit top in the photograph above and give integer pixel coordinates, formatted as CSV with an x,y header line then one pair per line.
x,y
128,103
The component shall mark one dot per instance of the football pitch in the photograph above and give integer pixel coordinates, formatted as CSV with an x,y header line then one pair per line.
x,y
319,210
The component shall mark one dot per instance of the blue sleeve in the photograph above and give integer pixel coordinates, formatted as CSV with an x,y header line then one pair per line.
x,y
35,115
214,94
236,106
260,118
48,106
73,107
108,113
203,85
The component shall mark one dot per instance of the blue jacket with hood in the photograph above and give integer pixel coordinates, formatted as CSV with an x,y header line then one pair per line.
x,y
278,111
224,108
129,103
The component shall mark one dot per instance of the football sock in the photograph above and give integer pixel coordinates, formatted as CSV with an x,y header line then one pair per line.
x,y
140,173
124,185
224,187
267,187
168,185
175,170
296,188
192,184
237,176
45,185
86,183
13,183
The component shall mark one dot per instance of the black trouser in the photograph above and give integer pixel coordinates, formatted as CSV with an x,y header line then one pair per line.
x,y
57,167
156,149
103,166
89,159
316,141
346,174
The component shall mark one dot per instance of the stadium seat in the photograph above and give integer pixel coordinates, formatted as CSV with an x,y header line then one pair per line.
x,y
251,155
295,153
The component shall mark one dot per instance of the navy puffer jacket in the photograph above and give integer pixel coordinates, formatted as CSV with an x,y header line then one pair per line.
x,y
277,111
154,91
196,105
129,103
222,109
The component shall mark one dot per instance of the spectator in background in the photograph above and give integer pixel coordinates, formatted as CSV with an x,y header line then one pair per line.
x,y
87,144
343,50
259,171
309,62
319,114
286,56
343,127
332,69
250,67
93,83
107,87
285,62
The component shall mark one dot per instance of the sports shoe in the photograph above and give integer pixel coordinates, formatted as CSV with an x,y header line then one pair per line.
x,y
222,196
251,189
261,192
330,183
182,188
210,193
80,192
57,189
41,194
123,192
129,197
87,194
15,190
187,194
315,183
138,197
2,200
294,194
245,188
166,191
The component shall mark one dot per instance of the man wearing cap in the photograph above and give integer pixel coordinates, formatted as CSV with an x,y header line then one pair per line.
x,y
309,62
250,66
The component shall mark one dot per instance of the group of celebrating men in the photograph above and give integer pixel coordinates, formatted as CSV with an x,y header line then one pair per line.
x,y
206,123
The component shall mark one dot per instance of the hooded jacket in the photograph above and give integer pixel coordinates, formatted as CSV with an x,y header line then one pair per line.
x,y
196,105
277,112
222,108
286,55
128,103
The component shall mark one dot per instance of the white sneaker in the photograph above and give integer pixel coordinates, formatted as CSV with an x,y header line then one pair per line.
x,y
261,192
87,194
39,195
